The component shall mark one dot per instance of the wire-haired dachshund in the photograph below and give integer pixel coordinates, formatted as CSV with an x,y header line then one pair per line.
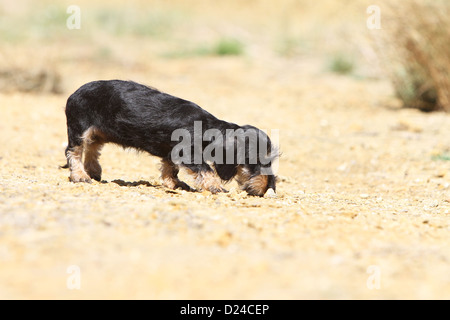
x,y
181,133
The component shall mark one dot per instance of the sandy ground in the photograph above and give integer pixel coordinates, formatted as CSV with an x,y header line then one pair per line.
x,y
362,209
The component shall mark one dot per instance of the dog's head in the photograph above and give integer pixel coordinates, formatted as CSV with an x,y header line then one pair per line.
x,y
249,159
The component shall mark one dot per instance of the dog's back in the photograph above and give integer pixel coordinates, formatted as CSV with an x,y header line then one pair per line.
x,y
130,114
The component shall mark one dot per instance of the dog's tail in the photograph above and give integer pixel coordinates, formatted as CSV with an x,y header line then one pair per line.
x,y
66,166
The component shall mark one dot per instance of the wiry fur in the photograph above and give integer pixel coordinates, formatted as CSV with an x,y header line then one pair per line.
x,y
136,116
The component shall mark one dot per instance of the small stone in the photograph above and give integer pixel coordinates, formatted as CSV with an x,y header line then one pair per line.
x,y
270,193
440,174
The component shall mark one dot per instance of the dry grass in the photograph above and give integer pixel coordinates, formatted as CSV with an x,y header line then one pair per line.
x,y
24,80
415,41
29,71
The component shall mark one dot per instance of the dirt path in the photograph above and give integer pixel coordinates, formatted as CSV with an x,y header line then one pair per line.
x,y
362,209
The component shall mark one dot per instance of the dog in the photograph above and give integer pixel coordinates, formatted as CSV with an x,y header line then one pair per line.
x,y
137,116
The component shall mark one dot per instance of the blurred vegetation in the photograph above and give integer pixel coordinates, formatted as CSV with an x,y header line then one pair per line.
x,y
49,22
222,47
414,39
224,28
228,47
415,47
290,46
341,64
149,22
441,157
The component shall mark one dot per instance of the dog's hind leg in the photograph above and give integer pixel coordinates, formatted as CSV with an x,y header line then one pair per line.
x,y
93,144
169,176
77,172
74,155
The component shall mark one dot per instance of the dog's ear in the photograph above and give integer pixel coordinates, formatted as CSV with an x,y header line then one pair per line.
x,y
226,171
227,168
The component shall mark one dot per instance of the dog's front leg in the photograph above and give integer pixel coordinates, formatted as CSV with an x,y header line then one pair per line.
x,y
206,179
169,176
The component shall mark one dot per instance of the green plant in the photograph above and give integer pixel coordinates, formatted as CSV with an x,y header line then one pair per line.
x,y
341,64
227,47
441,157
222,47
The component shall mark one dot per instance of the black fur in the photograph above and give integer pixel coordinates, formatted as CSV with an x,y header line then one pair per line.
x,y
137,116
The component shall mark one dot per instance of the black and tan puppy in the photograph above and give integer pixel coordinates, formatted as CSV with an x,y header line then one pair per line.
x,y
178,131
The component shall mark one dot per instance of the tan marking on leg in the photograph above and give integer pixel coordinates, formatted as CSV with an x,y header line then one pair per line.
x,y
242,176
207,180
256,185
169,176
77,172
91,164
93,141
93,135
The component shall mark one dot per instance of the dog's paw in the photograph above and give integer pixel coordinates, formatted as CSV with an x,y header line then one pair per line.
x,y
76,179
183,186
217,189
